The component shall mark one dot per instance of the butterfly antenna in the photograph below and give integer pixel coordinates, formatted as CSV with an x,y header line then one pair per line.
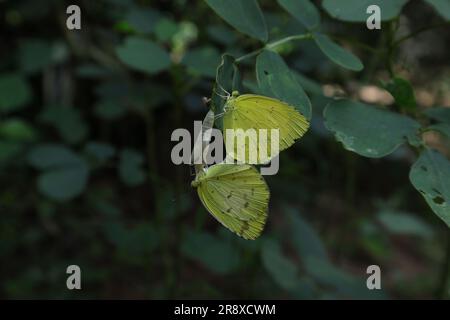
x,y
228,95
217,116
220,95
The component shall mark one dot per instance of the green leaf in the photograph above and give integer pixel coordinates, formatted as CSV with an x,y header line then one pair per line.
x,y
441,114
430,175
202,61
283,271
63,183
15,92
130,168
355,10
402,91
165,29
34,55
442,7
48,156
100,152
9,151
276,80
67,121
345,284
143,55
244,15
17,130
132,242
302,10
304,237
404,223
310,86
215,254
64,175
443,128
109,109
337,54
142,20
221,34
367,130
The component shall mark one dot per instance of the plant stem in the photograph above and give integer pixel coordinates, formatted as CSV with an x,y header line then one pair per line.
x,y
275,44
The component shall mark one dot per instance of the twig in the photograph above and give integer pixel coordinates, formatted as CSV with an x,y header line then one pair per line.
x,y
275,44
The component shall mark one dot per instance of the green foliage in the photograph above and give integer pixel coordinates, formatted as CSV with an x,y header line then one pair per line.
x,y
64,174
202,61
130,168
67,121
15,92
34,55
302,10
276,80
403,93
143,55
283,271
337,54
218,256
429,176
369,131
439,114
15,129
442,7
402,223
355,10
85,126
244,15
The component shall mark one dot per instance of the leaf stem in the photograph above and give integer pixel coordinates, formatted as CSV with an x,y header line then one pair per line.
x,y
275,44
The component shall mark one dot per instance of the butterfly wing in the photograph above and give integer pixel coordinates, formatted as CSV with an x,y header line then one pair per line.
x,y
259,112
237,196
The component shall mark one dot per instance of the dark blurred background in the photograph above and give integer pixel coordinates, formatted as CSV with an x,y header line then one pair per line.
x,y
86,176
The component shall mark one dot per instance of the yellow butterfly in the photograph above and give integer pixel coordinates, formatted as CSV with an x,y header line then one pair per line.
x,y
250,111
236,195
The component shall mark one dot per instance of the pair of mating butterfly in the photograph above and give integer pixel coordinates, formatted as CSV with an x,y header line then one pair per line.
x,y
236,194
